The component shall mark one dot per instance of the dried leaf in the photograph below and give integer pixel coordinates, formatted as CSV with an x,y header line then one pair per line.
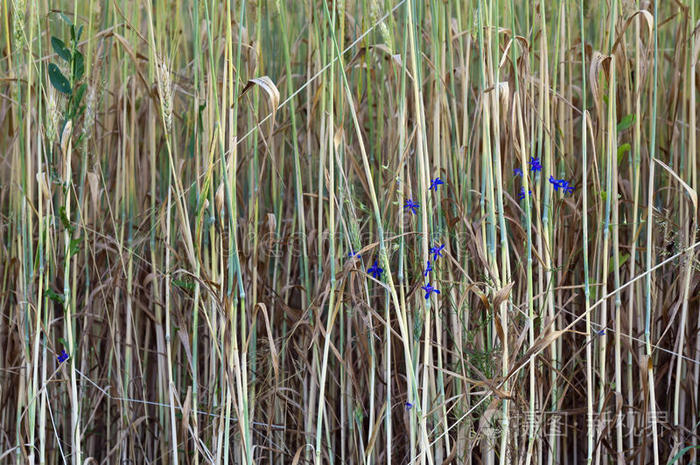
x,y
42,180
270,338
297,456
375,430
270,89
539,345
186,345
65,136
648,17
597,62
691,192
94,184
395,57
186,407
502,295
491,410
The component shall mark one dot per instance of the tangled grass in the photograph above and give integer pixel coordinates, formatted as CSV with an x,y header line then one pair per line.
x,y
207,254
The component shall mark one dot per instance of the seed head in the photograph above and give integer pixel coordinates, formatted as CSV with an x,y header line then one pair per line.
x,y
52,116
90,105
165,90
18,8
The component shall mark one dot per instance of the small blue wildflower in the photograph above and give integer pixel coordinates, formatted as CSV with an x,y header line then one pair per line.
x,y
63,356
409,406
568,188
601,332
429,290
518,172
555,182
521,196
563,183
435,183
353,255
375,270
437,251
535,164
412,206
428,269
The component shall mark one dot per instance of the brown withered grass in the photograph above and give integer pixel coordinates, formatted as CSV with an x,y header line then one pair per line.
x,y
178,214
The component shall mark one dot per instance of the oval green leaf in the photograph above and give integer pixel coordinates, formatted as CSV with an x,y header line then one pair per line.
x,y
625,123
58,80
60,48
78,66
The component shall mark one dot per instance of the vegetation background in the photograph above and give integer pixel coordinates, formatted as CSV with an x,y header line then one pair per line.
x,y
185,187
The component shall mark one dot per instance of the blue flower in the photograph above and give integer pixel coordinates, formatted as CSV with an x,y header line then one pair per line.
x,y
353,255
429,290
375,270
63,356
555,182
521,196
435,183
601,332
412,206
564,184
409,406
535,164
428,269
568,188
518,172
437,251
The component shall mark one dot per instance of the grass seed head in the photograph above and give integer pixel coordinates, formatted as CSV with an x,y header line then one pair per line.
x,y
165,91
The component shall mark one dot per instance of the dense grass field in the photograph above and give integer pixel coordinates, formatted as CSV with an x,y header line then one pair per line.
x,y
349,232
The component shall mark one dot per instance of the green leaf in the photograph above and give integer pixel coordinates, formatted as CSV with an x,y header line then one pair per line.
x,y
56,297
64,219
75,109
78,66
66,19
79,93
74,246
60,48
184,283
418,326
79,33
82,134
359,415
681,453
625,123
621,151
58,80
623,260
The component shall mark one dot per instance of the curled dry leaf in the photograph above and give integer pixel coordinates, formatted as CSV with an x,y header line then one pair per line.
x,y
395,57
65,136
599,61
502,295
93,182
41,179
219,197
538,346
648,18
691,192
266,84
